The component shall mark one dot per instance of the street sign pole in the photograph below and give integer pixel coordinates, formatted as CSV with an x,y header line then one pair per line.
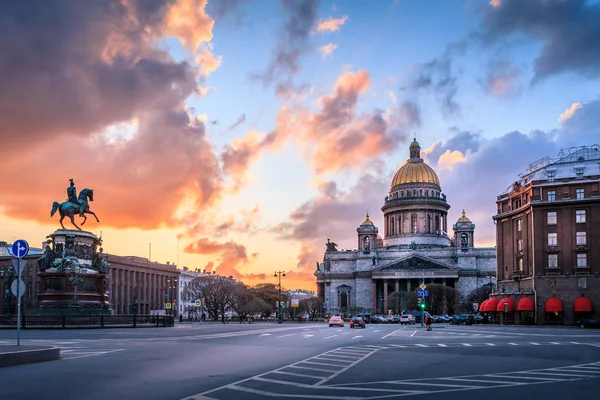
x,y
19,304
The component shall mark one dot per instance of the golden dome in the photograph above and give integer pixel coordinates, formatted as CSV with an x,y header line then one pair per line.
x,y
415,172
367,221
463,218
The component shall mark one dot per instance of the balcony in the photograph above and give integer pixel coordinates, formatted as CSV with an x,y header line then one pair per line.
x,y
552,249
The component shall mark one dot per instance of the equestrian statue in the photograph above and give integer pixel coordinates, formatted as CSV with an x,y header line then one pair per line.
x,y
74,205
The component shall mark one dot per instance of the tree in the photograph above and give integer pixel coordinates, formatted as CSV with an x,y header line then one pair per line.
x,y
397,302
312,306
442,299
478,295
217,292
246,303
269,293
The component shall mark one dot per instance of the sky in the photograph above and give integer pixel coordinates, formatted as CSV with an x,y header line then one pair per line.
x,y
240,135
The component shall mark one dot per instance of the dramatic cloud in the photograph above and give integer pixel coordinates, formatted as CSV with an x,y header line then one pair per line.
x,y
335,128
569,112
242,222
327,49
293,41
73,70
501,79
438,77
569,31
231,256
332,24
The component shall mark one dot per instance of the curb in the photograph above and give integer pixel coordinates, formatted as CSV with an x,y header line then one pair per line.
x,y
28,355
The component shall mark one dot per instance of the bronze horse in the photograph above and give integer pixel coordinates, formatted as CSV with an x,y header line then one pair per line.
x,y
68,209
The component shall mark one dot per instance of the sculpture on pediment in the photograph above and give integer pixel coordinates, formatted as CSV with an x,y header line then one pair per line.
x,y
331,246
413,245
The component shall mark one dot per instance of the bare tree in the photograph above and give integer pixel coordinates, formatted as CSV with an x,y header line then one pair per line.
x,y
217,291
442,299
311,306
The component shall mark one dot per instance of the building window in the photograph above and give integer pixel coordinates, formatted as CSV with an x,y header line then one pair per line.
x,y
426,193
552,260
579,194
552,239
551,195
520,263
579,173
552,218
402,193
420,192
519,225
581,239
464,240
580,216
519,244
551,175
581,260
413,223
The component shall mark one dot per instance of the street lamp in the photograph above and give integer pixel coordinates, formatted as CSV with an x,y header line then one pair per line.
x,y
490,275
279,274
172,285
76,276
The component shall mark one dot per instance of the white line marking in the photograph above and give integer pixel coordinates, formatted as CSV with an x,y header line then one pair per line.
x,y
391,333
535,344
344,369
289,334
313,368
554,343
421,345
295,374
515,376
317,363
514,344
442,345
413,334
482,381
264,334
306,336
92,354
329,337
356,337
490,344
467,344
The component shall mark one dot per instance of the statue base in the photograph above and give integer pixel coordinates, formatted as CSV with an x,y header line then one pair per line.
x,y
58,280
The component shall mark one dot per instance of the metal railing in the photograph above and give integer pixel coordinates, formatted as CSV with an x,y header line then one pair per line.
x,y
86,322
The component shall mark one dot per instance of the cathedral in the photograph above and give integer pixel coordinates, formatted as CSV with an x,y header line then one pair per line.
x,y
415,248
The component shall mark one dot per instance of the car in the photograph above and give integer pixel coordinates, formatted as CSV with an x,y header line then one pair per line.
x,y
405,319
462,320
588,323
357,322
336,320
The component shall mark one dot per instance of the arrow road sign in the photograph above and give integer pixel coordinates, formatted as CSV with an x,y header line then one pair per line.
x,y
423,293
20,248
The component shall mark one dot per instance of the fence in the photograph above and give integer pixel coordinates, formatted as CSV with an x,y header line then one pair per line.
x,y
86,322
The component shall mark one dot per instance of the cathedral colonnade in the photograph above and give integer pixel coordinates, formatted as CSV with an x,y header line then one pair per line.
x,y
384,287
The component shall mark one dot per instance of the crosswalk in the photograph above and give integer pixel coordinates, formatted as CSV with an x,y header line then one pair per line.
x,y
310,378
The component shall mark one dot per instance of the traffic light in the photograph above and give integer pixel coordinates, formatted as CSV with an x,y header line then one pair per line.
x,y
421,303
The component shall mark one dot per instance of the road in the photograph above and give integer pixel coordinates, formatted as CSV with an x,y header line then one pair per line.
x,y
266,361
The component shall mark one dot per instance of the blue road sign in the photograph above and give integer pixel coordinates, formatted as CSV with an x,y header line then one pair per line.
x,y
324,304
20,248
423,293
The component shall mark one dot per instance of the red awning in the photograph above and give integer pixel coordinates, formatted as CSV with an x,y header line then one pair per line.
x,y
526,304
582,304
482,306
509,302
554,304
491,305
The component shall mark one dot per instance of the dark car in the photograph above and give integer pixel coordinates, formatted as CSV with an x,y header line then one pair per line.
x,y
588,323
462,320
357,322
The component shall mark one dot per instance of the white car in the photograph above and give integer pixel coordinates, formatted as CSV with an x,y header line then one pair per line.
x,y
336,320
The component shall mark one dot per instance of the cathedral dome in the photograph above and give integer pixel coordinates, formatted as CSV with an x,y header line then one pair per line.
x,y
415,170
463,218
367,222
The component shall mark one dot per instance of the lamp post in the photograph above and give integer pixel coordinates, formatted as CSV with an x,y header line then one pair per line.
x,y
279,274
490,275
7,275
172,287
76,276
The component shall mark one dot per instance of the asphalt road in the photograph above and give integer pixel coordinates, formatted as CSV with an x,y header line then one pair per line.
x,y
266,361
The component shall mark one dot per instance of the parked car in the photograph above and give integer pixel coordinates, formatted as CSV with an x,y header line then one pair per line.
x,y
407,319
462,320
357,322
588,323
336,320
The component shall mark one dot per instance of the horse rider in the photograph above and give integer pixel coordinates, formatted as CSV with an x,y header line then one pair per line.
x,y
72,196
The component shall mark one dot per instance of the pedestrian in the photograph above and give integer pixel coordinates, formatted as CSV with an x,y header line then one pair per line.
x,y
428,322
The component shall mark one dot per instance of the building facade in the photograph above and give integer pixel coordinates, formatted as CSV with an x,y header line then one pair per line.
x,y
416,248
548,228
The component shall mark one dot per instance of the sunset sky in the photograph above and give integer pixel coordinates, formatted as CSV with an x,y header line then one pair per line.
x,y
242,134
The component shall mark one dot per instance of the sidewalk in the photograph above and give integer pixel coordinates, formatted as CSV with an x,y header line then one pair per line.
x,y
17,355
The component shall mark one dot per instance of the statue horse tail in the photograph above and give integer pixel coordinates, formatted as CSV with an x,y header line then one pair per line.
x,y
55,207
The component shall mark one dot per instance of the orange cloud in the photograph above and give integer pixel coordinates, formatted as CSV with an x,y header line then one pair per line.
x,y
187,20
207,61
332,24
569,112
327,49
231,256
495,3
449,159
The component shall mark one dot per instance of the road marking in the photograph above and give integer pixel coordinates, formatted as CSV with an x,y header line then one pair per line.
x,y
413,334
329,337
391,333
376,330
490,344
513,344
535,344
421,345
295,374
346,333
554,343
90,354
304,336
467,344
442,345
289,334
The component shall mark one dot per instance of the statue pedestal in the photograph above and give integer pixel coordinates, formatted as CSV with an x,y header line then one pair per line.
x,y
56,295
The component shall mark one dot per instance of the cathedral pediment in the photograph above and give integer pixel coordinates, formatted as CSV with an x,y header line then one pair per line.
x,y
415,262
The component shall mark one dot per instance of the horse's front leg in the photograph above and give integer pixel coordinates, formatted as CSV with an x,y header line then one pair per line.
x,y
62,216
94,214
84,219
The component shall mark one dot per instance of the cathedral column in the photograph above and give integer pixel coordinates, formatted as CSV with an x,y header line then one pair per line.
x,y
385,295
407,285
374,296
445,298
397,285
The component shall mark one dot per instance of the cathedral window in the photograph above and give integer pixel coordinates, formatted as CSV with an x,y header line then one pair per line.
x,y
426,193
402,193
413,223
428,226
464,240
437,224
367,243
343,300
421,192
